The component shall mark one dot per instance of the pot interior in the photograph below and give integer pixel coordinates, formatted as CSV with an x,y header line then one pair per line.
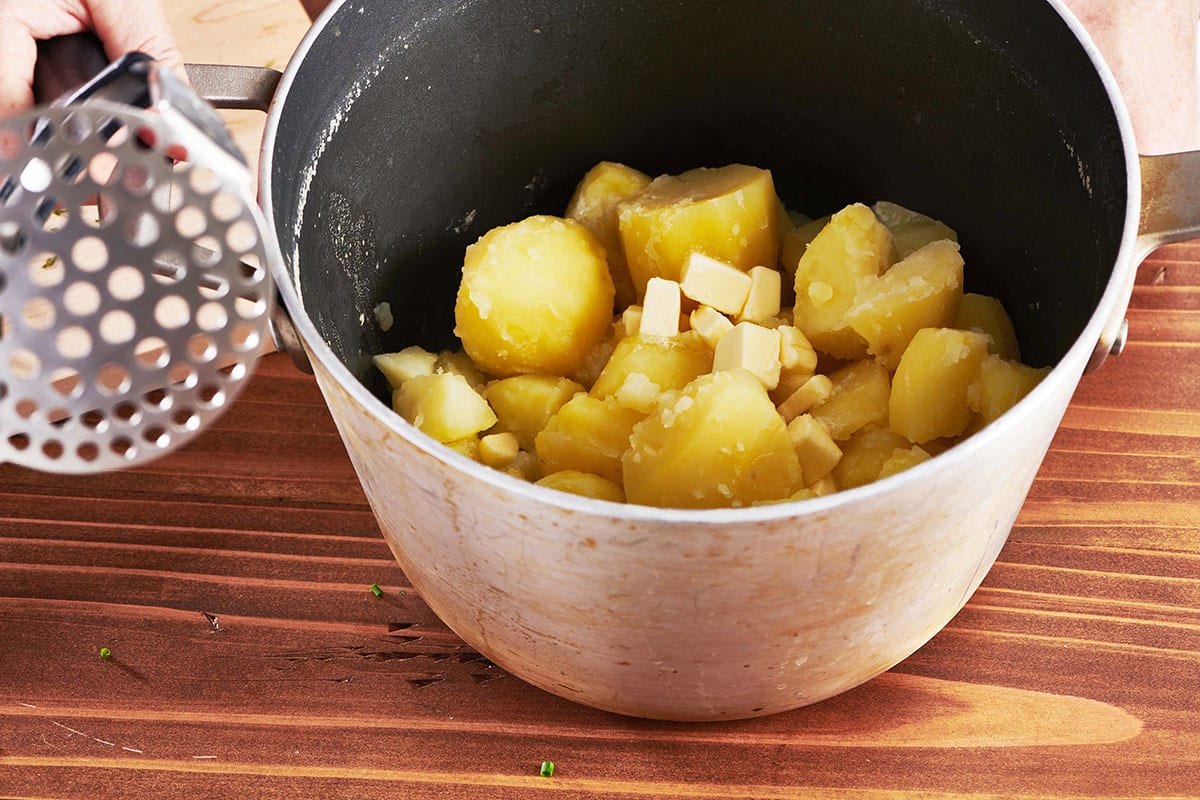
x,y
412,127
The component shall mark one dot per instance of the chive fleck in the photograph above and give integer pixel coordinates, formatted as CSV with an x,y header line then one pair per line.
x,y
49,262
375,590
547,769
58,212
105,653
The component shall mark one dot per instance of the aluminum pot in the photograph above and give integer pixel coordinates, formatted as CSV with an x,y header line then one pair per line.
x,y
401,131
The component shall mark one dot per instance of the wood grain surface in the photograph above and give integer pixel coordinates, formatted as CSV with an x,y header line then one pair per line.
x,y
250,659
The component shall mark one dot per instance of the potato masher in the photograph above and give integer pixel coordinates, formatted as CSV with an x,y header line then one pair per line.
x,y
134,290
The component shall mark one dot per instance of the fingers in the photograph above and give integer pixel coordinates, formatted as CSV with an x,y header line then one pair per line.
x,y
18,51
127,25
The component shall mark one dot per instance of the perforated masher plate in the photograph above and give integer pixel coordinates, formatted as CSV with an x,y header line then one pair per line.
x,y
134,293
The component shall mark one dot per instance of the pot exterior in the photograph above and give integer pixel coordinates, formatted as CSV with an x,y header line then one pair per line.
x,y
672,616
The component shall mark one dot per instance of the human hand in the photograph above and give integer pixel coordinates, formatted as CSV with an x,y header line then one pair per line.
x,y
123,26
1151,47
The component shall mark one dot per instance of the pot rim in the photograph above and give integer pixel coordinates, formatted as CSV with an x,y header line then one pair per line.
x,y
1063,377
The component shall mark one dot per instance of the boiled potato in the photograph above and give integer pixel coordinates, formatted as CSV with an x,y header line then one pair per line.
x,y
902,459
525,403
461,364
584,484
859,399
668,363
1001,384
910,230
730,213
921,291
587,434
852,247
443,405
595,205
864,455
535,297
978,312
405,364
929,396
720,443
796,241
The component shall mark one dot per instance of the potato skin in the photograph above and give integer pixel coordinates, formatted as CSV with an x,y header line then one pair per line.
x,y
536,297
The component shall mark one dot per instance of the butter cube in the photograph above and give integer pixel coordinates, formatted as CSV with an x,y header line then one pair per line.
x,y
710,324
762,302
499,450
796,353
813,391
714,283
750,347
631,321
660,309
405,365
815,448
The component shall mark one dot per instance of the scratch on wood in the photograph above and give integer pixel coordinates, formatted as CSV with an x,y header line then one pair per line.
x,y
96,739
27,705
213,621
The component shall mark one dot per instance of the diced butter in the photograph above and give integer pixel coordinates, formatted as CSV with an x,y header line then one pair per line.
x,y
631,321
815,390
405,365
815,448
750,347
762,302
660,309
796,353
710,324
714,283
498,450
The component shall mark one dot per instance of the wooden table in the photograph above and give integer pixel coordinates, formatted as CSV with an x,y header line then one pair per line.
x,y
250,659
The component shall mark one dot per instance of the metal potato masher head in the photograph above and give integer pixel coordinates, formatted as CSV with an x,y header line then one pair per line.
x,y
134,291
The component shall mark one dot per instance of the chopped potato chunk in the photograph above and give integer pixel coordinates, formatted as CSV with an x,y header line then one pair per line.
x,y
910,230
853,246
535,297
595,205
587,434
584,484
863,456
901,460
730,213
1002,384
929,396
669,364
922,291
498,450
978,312
408,363
859,398
525,403
719,443
443,405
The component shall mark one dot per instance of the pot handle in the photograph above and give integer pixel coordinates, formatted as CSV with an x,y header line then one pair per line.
x,y
1170,213
253,89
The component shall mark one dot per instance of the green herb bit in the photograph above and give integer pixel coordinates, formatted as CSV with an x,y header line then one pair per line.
x,y
375,590
49,262
547,769
58,212
106,654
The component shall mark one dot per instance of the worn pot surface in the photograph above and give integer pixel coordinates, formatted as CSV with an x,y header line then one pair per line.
x,y
404,130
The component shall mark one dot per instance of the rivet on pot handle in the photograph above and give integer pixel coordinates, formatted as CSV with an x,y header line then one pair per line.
x,y
1170,213
250,88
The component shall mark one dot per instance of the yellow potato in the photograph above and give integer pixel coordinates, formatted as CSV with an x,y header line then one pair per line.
x,y
584,484
1002,384
525,403
587,434
910,230
443,405
535,297
902,459
978,312
859,399
922,291
595,204
720,443
864,455
796,241
852,247
405,364
730,213
929,397
461,364
669,363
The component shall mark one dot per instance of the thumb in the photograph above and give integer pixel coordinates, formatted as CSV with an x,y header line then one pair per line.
x,y
128,25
